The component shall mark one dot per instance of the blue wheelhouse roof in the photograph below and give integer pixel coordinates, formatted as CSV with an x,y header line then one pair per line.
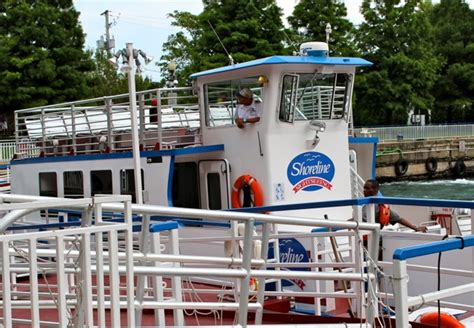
x,y
273,60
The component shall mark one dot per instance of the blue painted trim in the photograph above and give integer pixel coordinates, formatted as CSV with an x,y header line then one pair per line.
x,y
421,202
163,226
275,60
409,252
170,182
4,166
302,206
355,140
128,154
190,222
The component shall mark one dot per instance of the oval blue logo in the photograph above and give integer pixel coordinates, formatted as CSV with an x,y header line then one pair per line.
x,y
311,171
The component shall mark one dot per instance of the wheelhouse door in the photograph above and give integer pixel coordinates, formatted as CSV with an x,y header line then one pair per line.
x,y
214,184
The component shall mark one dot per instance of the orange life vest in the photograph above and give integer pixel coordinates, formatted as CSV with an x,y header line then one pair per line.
x,y
384,214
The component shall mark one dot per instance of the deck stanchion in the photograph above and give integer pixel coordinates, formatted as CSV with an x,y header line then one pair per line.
x,y
246,258
33,273
6,286
62,283
114,280
400,284
99,246
261,281
129,263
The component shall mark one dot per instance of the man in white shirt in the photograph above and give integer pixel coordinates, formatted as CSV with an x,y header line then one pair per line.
x,y
248,109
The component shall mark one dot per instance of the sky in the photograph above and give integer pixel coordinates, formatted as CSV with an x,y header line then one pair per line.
x,y
146,24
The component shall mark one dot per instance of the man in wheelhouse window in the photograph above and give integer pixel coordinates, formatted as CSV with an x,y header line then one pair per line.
x,y
248,109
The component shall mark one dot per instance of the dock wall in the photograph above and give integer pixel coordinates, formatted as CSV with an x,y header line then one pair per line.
x,y
425,159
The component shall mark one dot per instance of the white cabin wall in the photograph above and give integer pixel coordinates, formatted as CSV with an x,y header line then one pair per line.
x,y
25,177
280,143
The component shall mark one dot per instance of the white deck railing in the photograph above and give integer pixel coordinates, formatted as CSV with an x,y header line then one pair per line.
x,y
76,255
392,133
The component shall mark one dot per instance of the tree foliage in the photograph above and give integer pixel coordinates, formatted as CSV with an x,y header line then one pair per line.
x,y
453,23
248,29
309,21
397,37
41,53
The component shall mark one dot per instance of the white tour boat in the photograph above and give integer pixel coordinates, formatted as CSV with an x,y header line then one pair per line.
x,y
263,221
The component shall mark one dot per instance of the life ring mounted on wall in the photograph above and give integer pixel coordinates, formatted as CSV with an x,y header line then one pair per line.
x,y
247,183
401,167
431,165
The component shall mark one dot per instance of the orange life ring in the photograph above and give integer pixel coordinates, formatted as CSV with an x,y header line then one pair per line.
x,y
447,320
247,180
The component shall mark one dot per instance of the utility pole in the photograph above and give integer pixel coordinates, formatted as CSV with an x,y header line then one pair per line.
x,y
109,44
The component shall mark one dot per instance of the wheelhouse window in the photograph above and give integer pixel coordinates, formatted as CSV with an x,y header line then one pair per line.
x,y
48,184
73,184
127,183
101,182
221,99
313,96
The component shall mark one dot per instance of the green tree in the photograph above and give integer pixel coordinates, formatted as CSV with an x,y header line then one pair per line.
x,y
453,23
248,29
309,21
41,53
397,37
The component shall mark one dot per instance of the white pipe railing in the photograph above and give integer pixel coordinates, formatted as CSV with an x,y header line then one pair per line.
x,y
400,276
391,133
120,262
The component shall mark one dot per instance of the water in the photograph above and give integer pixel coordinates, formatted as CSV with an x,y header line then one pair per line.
x,y
460,189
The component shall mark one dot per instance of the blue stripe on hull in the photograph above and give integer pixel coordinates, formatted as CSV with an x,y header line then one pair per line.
x,y
128,154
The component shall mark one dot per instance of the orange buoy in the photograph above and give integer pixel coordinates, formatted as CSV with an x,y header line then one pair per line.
x,y
240,183
447,320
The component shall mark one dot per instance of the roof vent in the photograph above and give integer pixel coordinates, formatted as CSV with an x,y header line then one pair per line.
x,y
316,49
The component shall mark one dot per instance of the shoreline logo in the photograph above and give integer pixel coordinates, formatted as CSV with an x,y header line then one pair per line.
x,y
311,171
291,251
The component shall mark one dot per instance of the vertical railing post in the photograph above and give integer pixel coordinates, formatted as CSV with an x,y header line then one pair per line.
x,y
261,281
374,241
110,127
62,283
129,264
6,285
400,285
73,129
159,118
246,261
141,119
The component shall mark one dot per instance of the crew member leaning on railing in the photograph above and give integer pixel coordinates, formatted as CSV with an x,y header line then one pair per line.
x,y
383,214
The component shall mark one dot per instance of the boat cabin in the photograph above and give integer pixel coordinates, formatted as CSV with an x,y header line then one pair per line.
x,y
192,152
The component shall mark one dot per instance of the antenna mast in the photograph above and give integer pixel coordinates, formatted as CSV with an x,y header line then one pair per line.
x,y
218,38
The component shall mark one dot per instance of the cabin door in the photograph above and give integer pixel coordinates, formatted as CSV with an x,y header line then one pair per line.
x,y
214,184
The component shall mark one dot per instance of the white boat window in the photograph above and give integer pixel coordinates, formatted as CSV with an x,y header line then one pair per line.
x,y
48,185
101,182
221,99
127,183
73,184
317,96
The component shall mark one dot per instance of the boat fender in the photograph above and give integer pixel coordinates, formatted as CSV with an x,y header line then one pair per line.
x,y
247,181
447,320
431,165
459,169
401,167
